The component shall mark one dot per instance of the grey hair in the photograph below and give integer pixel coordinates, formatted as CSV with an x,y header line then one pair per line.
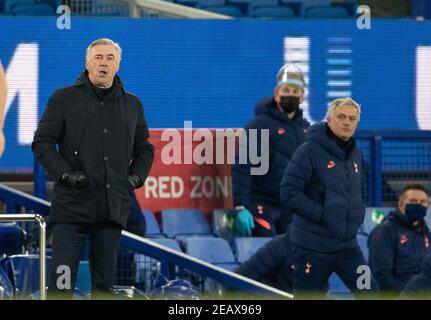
x,y
104,41
342,102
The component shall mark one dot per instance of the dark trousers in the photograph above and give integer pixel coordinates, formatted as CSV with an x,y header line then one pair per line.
x,y
67,246
313,269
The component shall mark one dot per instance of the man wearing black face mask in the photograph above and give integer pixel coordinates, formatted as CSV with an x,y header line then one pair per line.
x,y
256,198
398,245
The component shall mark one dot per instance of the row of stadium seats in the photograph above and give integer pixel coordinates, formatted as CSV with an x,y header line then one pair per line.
x,y
234,8
29,7
275,8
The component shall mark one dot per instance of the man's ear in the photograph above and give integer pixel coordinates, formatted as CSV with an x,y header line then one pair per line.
x,y
400,204
301,99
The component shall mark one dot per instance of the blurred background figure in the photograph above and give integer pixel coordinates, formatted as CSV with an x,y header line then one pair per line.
x,y
257,197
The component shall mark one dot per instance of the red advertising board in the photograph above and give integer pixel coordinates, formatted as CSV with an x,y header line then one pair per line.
x,y
186,183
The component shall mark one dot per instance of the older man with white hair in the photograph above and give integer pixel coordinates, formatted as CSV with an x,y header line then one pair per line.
x,y
322,185
103,155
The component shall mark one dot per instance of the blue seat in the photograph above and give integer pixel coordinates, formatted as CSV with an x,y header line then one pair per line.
x,y
11,239
247,6
336,286
170,243
37,9
273,12
83,278
10,4
213,250
231,11
24,272
153,228
373,216
245,247
190,3
333,12
177,222
206,3
362,242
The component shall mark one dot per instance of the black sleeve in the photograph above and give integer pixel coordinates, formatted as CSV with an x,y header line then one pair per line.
x,y
47,136
143,150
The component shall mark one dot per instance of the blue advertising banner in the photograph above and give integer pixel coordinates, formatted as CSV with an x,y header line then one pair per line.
x,y
214,72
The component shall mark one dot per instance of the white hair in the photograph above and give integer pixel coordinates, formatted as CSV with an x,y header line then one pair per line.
x,y
342,102
104,42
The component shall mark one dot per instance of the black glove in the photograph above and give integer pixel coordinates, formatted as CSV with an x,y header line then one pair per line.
x,y
75,179
134,182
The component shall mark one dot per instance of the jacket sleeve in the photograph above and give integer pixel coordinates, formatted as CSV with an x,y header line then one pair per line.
x,y
364,183
241,169
296,178
143,150
381,259
47,136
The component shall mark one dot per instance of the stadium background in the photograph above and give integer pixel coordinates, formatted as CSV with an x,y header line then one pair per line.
x,y
213,72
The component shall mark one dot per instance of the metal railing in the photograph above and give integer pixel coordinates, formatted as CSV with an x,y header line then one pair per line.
x,y
165,9
42,244
168,257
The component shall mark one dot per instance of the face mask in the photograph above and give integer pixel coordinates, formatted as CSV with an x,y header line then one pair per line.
x,y
415,211
289,103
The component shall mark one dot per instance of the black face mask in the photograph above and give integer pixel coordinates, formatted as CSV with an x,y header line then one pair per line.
x,y
289,104
415,211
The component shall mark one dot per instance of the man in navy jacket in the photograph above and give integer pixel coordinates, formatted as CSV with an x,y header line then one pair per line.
x,y
322,184
398,245
257,197
419,286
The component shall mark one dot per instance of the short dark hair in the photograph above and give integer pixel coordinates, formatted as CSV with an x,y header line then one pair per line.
x,y
414,186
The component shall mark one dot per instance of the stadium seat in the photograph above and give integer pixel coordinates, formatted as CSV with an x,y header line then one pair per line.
x,y
273,12
206,3
333,12
184,222
83,278
10,4
153,228
362,242
37,9
337,287
213,250
231,11
25,270
247,6
245,247
373,216
11,239
190,3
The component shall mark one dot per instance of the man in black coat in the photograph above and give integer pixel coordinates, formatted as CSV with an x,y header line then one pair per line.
x,y
322,185
256,197
103,155
399,243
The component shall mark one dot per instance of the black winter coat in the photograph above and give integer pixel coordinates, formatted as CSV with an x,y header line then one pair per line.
x,y
104,136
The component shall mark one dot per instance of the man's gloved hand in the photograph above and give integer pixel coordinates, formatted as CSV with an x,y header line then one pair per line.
x,y
244,222
75,179
134,182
